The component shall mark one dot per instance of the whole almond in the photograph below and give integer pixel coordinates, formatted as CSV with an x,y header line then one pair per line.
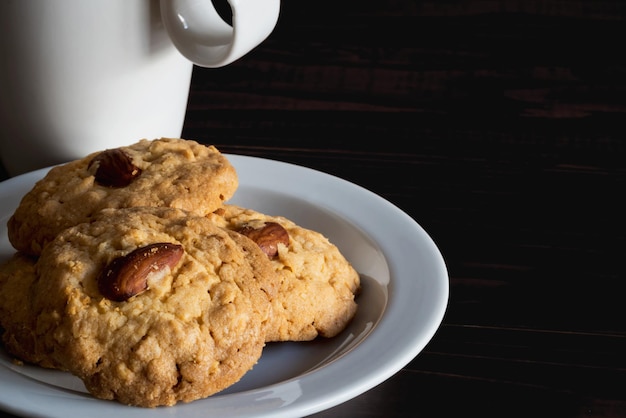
x,y
114,168
127,276
267,237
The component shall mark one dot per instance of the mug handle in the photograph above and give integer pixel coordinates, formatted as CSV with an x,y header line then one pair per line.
x,y
204,38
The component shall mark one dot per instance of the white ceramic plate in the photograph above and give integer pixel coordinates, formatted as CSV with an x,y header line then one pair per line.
x,y
404,297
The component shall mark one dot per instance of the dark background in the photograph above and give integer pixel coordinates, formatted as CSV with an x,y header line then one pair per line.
x,y
499,126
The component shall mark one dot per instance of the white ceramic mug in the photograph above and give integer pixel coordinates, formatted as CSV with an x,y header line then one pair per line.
x,y
77,76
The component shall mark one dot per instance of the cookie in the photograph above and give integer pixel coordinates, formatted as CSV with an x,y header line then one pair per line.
x,y
316,284
17,276
149,306
167,172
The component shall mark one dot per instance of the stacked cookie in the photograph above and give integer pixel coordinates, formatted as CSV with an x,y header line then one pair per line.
x,y
133,273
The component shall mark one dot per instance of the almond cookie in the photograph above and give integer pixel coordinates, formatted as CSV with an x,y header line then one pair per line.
x,y
163,172
149,306
316,284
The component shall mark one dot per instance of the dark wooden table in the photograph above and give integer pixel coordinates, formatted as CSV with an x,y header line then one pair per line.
x,y
500,127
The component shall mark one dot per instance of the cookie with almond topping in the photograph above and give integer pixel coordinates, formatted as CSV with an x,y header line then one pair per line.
x,y
316,284
158,307
168,172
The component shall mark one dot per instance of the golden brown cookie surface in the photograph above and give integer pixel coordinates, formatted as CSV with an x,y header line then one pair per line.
x,y
316,284
17,320
167,172
194,328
